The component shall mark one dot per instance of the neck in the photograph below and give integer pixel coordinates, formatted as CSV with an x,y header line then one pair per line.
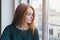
x,y
23,26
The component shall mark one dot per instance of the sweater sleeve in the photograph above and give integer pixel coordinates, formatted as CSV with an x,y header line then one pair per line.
x,y
36,35
5,34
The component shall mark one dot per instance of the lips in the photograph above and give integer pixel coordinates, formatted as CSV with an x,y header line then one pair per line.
x,y
30,20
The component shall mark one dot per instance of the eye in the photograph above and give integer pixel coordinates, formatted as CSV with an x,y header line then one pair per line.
x,y
30,14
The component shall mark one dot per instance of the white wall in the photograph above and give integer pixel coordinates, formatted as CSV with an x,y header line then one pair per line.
x,y
7,13
17,2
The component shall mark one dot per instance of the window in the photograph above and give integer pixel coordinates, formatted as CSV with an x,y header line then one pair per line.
x,y
58,35
24,1
50,31
53,18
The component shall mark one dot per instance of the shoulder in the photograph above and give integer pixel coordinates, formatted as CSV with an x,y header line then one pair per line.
x,y
36,30
8,28
36,34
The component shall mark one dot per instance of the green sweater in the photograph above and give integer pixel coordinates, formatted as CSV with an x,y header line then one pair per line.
x,y
12,33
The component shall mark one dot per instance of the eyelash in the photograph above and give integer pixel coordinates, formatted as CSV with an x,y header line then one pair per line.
x,y
30,14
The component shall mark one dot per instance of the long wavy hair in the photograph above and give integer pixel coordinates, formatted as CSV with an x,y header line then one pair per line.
x,y
20,13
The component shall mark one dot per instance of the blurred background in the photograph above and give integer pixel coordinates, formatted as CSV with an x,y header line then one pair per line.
x,y
47,18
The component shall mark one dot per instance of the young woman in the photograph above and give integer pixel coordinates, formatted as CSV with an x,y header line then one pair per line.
x,y
22,26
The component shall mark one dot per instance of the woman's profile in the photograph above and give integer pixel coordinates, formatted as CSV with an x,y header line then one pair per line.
x,y
22,26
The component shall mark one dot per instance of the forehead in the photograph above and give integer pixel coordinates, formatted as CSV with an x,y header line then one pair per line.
x,y
30,10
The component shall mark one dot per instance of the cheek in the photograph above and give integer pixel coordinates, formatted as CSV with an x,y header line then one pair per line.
x,y
27,17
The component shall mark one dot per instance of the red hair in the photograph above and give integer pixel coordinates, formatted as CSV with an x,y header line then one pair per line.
x,y
20,14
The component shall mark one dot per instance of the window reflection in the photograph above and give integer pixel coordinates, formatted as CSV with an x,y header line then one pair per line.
x,y
54,19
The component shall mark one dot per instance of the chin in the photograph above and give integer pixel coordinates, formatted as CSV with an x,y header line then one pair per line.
x,y
29,22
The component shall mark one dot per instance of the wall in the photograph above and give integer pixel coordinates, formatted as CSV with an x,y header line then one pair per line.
x,y
7,11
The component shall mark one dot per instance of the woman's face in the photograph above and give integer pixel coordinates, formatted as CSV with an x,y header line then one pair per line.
x,y
29,16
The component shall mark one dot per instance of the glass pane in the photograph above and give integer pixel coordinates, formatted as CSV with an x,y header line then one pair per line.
x,y
50,31
37,4
54,18
24,1
54,12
